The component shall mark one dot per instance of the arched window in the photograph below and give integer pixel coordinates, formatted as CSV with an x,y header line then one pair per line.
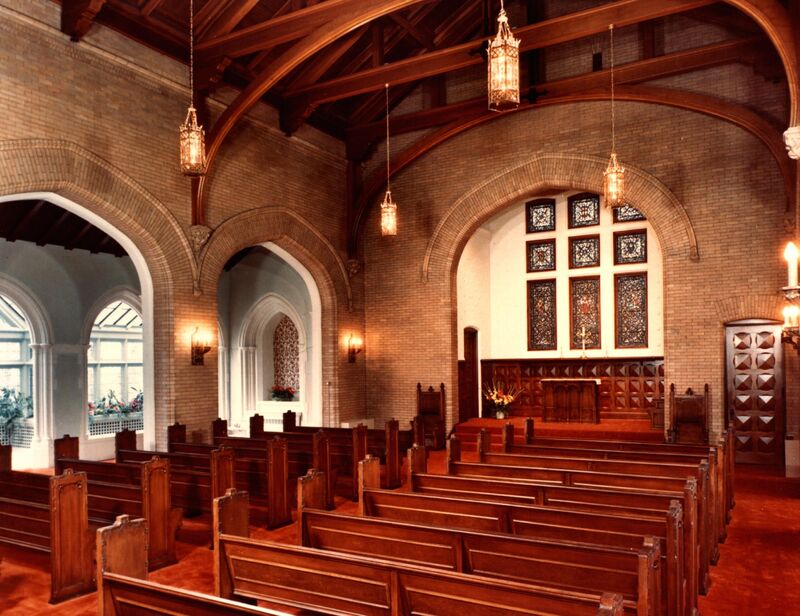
x,y
115,371
16,376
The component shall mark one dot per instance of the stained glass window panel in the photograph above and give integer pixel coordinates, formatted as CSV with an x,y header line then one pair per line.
x,y
585,312
540,215
584,210
541,255
542,315
630,247
584,251
631,310
627,213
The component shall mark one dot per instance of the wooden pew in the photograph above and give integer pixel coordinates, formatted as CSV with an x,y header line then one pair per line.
x,y
589,498
195,478
308,579
253,467
600,450
725,447
613,480
49,514
123,589
622,530
387,444
141,490
345,452
708,506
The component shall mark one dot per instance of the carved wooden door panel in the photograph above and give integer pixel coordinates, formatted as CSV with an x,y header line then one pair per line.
x,y
754,387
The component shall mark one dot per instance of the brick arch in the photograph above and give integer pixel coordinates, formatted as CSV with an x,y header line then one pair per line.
x,y
303,241
548,172
740,307
67,170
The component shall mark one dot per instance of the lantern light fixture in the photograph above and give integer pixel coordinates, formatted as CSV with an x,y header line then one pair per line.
x,y
388,206
503,66
354,346
201,344
192,135
614,175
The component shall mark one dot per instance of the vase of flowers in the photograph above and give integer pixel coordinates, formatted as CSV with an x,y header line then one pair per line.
x,y
284,394
500,397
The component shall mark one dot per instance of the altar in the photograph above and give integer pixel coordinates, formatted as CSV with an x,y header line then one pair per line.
x,y
571,400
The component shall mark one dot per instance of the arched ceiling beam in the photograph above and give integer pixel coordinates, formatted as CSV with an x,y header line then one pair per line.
x,y
283,65
712,106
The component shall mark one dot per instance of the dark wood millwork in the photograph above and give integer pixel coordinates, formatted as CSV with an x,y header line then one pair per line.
x,y
629,388
77,16
468,387
754,391
570,400
47,224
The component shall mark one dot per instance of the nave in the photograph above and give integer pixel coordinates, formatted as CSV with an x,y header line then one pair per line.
x,y
763,523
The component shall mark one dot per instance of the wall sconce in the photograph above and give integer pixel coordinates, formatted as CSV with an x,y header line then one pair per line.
x,y
354,346
791,313
201,344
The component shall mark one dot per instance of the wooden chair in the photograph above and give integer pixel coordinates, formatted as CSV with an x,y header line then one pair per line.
x,y
689,416
429,421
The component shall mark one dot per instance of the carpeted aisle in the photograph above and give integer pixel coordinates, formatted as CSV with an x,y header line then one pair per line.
x,y
758,572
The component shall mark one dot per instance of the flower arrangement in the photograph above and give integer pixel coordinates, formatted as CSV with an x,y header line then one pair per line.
x,y
500,397
283,393
111,404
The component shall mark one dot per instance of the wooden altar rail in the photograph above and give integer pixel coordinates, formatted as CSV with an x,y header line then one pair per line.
x,y
613,480
49,514
621,529
141,489
565,566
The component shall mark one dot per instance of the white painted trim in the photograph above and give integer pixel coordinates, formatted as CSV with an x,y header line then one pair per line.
x,y
116,294
146,283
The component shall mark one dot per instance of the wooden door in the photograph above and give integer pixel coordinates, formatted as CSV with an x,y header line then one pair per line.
x,y
754,391
468,387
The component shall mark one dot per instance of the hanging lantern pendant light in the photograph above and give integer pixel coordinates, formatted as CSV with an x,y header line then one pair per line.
x,y
503,56
388,206
614,182
192,135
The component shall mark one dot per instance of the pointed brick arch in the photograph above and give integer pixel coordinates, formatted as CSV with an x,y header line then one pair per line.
x,y
549,172
76,178
300,239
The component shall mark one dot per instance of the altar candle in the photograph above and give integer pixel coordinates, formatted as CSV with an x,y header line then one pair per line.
x,y
791,254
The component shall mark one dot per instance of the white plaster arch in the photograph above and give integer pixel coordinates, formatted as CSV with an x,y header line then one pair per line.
x,y
41,343
115,294
146,303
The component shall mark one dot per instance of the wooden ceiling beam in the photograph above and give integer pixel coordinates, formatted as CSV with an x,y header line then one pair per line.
x,y
77,16
570,27
48,235
152,5
743,50
738,115
359,15
26,221
75,240
417,31
278,31
227,18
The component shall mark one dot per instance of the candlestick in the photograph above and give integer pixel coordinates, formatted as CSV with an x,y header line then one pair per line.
x,y
791,254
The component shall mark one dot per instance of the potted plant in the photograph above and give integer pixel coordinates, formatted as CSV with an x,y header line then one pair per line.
x,y
283,393
500,397
14,409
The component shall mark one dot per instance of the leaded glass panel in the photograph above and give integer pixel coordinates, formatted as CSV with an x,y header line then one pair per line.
x,y
631,310
630,247
542,315
540,215
584,210
584,251
585,312
541,255
627,213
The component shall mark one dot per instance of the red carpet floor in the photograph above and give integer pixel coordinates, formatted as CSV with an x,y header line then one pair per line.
x,y
758,572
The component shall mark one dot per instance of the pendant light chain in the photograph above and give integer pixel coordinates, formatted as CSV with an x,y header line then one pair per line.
x,y
388,179
613,114
191,51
